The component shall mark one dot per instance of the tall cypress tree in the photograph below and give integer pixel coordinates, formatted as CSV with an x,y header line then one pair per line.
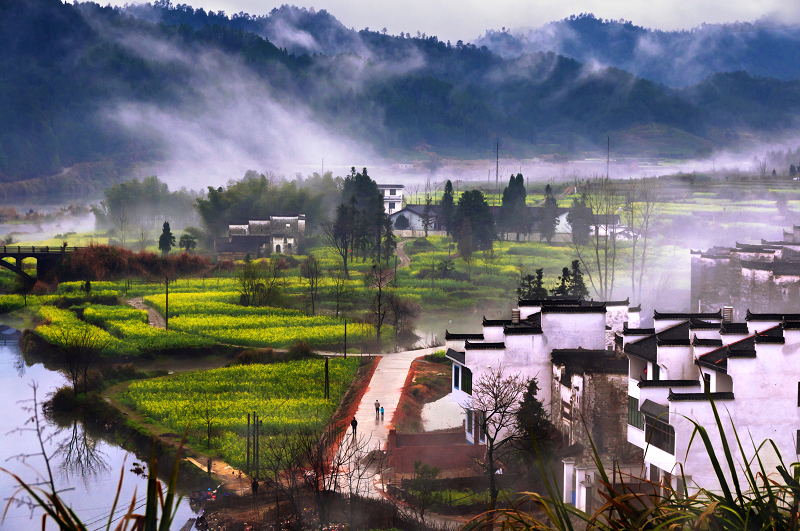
x,y
447,207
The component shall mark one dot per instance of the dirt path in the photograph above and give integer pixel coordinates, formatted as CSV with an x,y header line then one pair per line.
x,y
405,261
153,317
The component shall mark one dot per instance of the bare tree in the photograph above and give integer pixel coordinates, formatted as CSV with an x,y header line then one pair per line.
x,y
282,462
598,256
377,279
642,207
208,408
402,313
81,454
142,236
495,402
311,270
80,345
339,235
259,282
121,221
427,214
412,190
342,290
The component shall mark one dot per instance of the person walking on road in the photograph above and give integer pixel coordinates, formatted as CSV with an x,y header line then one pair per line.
x,y
255,487
377,408
354,425
381,413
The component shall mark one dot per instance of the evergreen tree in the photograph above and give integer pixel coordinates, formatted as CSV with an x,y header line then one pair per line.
x,y
447,207
579,219
534,422
167,240
549,220
565,283
577,286
532,286
472,205
389,240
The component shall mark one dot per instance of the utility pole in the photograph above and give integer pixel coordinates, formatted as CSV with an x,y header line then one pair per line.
x,y
248,445
166,306
327,391
345,338
608,156
497,171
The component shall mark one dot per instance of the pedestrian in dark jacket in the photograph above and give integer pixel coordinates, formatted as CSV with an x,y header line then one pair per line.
x,y
255,487
354,425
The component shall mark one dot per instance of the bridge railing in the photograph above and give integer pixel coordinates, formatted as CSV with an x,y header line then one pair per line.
x,y
31,249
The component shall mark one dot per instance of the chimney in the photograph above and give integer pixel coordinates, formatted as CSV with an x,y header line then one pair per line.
x,y
515,316
727,314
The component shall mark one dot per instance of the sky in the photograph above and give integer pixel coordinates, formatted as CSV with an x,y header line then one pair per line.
x,y
467,19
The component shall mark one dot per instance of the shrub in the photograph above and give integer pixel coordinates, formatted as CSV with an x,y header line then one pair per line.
x,y
63,400
251,356
94,381
299,350
42,288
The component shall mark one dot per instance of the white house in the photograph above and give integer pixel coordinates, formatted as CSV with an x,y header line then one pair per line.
x,y
752,372
564,344
392,197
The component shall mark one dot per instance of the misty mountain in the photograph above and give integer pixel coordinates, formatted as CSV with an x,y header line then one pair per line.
x,y
85,84
675,58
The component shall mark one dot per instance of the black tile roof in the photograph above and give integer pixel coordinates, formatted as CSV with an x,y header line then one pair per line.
x,y
458,337
734,328
495,322
635,308
668,383
456,356
578,360
653,409
678,332
569,300
698,397
521,329
645,348
700,342
671,316
790,325
626,302
772,316
594,308
638,331
718,359
699,324
756,265
771,335
484,346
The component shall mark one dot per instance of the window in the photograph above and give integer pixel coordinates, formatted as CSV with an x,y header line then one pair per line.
x,y
656,372
481,422
659,434
469,421
456,376
635,417
391,206
392,192
706,382
798,394
466,380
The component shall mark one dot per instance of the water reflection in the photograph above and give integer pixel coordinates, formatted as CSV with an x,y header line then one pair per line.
x,y
80,453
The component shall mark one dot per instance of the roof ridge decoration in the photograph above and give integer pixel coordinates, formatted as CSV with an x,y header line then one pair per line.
x,y
484,346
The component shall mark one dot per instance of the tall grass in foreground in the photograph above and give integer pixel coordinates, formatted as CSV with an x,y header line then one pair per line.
x,y
762,504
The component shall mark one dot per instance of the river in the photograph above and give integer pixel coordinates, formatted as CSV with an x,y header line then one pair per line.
x,y
84,463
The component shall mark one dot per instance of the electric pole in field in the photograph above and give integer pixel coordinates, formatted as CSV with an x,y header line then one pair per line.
x,y
166,306
608,156
497,171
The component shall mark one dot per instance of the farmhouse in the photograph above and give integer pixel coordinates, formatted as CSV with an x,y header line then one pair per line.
x,y
762,277
259,238
751,371
569,346
392,197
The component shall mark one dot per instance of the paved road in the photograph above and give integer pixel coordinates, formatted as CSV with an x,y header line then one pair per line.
x,y
385,386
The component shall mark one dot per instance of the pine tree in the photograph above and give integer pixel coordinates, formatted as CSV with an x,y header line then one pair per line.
x,y
547,225
531,287
565,282
577,285
447,207
167,240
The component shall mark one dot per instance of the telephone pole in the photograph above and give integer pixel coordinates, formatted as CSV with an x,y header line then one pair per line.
x,y
497,171
608,156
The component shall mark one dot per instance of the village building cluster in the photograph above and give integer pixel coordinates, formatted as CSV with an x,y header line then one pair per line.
x,y
638,392
261,238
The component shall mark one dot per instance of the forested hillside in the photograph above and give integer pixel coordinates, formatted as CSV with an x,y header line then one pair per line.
x,y
81,83
676,58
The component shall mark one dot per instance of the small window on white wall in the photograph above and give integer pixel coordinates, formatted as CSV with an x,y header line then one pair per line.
x,y
456,376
